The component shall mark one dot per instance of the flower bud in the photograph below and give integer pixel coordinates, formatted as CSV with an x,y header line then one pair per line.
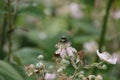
x,y
40,57
104,66
39,65
81,77
81,54
60,69
81,72
30,69
99,77
64,61
51,67
91,77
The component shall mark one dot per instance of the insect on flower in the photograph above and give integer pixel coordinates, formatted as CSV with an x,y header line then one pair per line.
x,y
64,48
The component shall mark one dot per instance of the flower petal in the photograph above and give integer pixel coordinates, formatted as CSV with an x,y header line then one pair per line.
x,y
69,51
63,53
107,57
58,51
50,76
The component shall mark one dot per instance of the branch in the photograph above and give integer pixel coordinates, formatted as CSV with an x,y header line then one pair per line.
x,y
11,27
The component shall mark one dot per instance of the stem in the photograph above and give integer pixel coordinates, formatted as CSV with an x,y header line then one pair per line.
x,y
92,65
76,71
11,20
10,27
74,75
104,27
3,34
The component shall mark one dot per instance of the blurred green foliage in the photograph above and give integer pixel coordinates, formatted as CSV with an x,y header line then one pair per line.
x,y
39,24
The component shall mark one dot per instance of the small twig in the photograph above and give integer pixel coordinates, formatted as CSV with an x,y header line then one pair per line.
x,y
11,24
92,65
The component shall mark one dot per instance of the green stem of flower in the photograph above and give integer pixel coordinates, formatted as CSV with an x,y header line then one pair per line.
x,y
92,65
74,75
104,27
76,71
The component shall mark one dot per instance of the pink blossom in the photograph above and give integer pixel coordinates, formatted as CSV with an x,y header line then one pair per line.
x,y
50,76
63,53
70,51
107,57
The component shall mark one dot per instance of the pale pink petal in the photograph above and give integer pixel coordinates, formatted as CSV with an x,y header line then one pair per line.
x,y
50,76
69,51
63,53
74,50
107,57
58,51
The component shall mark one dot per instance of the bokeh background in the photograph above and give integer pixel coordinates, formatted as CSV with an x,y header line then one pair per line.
x,y
32,27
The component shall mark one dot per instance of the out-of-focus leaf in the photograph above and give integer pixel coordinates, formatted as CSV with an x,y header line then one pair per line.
x,y
47,44
2,7
8,72
1,77
84,38
59,24
32,10
28,55
2,11
89,3
85,26
2,3
116,3
17,59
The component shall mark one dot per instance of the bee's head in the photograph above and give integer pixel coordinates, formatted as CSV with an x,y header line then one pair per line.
x,y
63,39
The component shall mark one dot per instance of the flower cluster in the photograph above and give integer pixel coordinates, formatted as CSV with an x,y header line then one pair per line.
x,y
65,49
66,55
39,68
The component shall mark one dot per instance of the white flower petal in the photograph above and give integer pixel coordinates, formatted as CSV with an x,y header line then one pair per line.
x,y
58,51
107,57
50,76
112,60
99,77
74,50
63,53
69,51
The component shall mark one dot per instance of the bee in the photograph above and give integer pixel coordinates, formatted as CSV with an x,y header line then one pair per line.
x,y
63,39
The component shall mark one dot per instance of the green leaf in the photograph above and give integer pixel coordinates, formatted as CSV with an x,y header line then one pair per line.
x,y
32,10
85,26
16,59
8,72
89,3
28,55
84,38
